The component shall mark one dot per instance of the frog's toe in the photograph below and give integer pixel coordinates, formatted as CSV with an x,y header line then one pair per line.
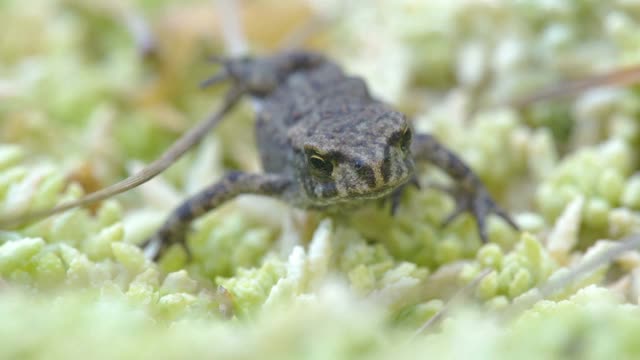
x,y
504,216
215,79
224,74
158,244
480,205
152,247
396,196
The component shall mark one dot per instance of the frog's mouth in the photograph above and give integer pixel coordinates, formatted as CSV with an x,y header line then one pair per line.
x,y
353,199
377,193
369,194
391,184
356,189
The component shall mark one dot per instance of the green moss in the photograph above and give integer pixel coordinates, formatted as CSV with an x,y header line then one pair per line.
x,y
631,193
79,104
15,254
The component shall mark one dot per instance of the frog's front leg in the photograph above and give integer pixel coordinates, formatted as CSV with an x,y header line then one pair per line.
x,y
469,192
175,228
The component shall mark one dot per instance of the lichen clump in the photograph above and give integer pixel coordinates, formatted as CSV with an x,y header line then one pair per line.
x,y
108,87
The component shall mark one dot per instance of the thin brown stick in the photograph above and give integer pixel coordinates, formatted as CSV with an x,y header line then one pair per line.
x,y
235,42
181,146
544,291
620,77
553,286
464,291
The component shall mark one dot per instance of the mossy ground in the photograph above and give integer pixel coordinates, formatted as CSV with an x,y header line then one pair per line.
x,y
89,91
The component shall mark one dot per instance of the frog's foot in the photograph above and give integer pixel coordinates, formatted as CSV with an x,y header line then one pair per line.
x,y
396,196
256,75
261,75
158,244
478,203
219,77
175,228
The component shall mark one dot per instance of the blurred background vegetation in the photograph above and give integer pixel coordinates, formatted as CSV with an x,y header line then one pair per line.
x,y
90,88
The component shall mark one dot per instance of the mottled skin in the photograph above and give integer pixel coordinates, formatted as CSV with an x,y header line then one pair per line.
x,y
325,142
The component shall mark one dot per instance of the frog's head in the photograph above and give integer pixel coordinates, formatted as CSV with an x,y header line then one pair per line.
x,y
352,152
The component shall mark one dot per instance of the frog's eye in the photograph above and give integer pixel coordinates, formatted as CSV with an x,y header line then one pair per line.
x,y
405,139
319,165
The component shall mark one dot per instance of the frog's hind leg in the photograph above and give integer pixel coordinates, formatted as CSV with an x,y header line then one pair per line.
x,y
469,192
174,229
261,75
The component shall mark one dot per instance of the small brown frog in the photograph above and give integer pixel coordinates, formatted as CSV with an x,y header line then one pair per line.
x,y
325,142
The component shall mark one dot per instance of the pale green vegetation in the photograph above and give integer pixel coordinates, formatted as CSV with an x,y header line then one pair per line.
x,y
81,105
